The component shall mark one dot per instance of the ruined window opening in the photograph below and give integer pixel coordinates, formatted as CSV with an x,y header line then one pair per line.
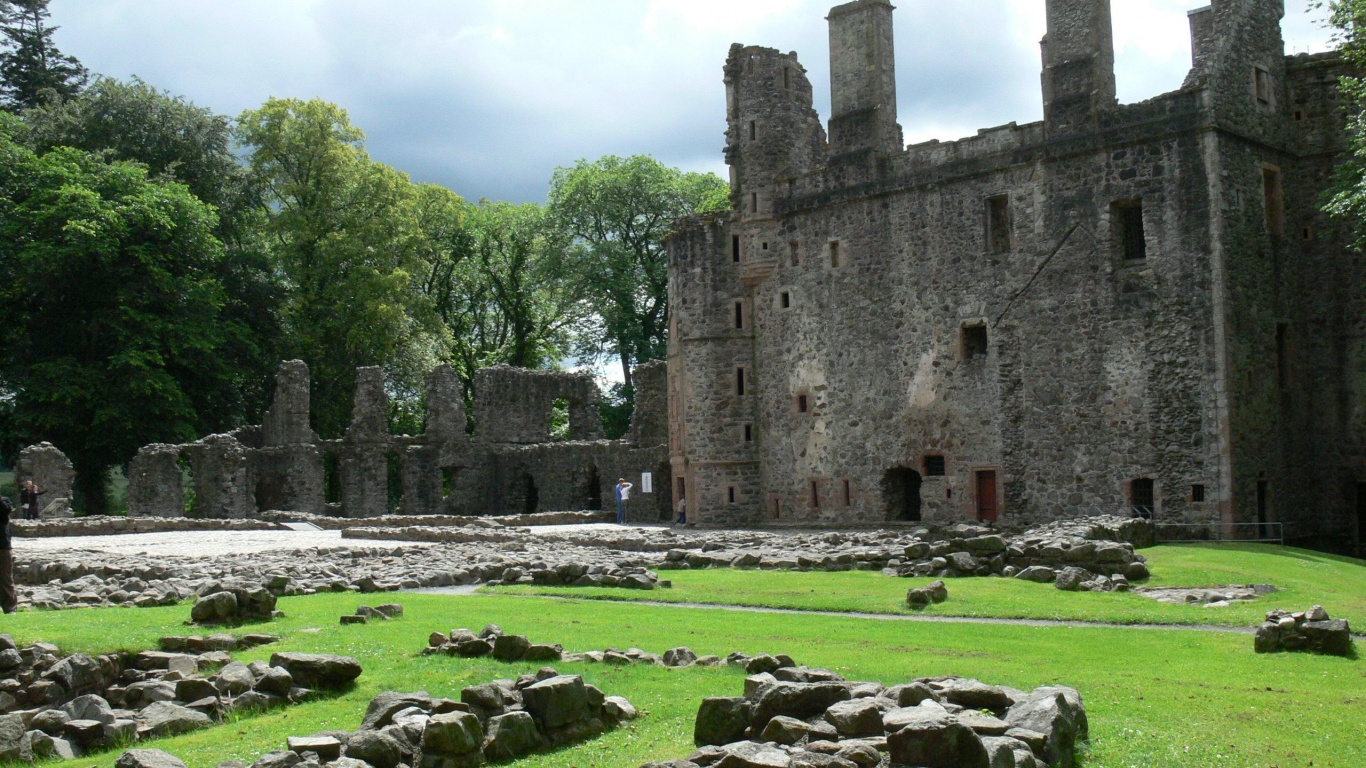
x,y
787,79
1307,234
834,253
998,224
753,130
1126,217
1141,498
332,487
934,466
735,248
785,300
777,509
1299,115
394,477
1262,84
1263,509
749,433
1282,355
531,497
740,381
848,495
901,494
594,488
448,475
740,315
764,245
815,494
974,341
559,420
730,494
792,253
803,404
1361,512
1198,493
187,481
754,202
1275,202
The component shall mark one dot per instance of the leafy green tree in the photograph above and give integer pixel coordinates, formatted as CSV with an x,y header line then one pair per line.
x,y
110,309
1348,200
177,140
343,232
618,211
32,70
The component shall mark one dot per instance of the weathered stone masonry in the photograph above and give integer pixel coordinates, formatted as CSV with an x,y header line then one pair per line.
x,y
1120,306
509,465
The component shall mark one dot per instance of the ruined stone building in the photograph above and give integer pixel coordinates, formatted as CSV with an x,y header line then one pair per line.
x,y
509,465
1123,306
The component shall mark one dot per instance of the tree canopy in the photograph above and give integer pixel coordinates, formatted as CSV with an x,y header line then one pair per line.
x,y
32,70
1348,200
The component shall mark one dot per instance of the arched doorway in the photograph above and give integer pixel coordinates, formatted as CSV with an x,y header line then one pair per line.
x,y
901,494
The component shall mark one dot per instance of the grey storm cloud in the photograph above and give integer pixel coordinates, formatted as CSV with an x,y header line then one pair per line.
x,y
487,97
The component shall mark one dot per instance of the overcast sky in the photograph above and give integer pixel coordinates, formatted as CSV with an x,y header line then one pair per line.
x,y
488,96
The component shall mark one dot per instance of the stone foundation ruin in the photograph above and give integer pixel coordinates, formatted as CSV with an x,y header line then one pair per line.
x,y
511,464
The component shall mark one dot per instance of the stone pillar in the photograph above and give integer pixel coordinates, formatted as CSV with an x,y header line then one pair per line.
x,y
863,78
445,408
364,460
156,486
289,465
650,417
223,478
52,472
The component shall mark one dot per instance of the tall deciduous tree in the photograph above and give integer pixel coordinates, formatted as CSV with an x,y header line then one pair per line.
x,y
343,232
1348,202
619,210
32,70
110,327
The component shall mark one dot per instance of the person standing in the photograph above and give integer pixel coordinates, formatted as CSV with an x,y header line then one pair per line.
x,y
28,499
623,494
9,601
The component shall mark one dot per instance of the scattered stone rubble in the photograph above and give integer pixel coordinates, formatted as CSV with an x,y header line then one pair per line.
x,y
922,597
54,706
495,721
365,613
233,603
1209,597
1310,630
804,718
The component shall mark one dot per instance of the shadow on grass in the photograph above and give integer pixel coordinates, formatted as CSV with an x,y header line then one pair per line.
x,y
1296,553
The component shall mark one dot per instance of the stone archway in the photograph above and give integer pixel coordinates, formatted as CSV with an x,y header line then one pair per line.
x,y
901,494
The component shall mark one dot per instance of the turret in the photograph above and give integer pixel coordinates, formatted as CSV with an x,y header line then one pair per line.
x,y
863,78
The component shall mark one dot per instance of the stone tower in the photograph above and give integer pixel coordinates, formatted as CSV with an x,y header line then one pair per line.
x,y
1078,65
863,78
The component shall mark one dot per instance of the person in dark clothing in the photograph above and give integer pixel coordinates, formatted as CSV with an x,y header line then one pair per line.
x,y
28,499
9,601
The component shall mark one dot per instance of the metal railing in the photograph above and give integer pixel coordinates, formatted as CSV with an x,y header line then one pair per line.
x,y
1218,531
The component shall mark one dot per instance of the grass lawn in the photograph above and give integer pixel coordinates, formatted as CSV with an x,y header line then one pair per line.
x,y
1305,578
1154,697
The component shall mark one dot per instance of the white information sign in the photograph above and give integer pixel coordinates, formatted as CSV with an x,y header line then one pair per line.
x,y
647,482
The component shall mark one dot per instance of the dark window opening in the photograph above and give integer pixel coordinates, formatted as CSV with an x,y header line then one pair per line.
x,y
594,488
834,253
394,481
1198,493
793,254
1263,509
754,202
934,466
753,130
1275,202
1141,498
998,224
1307,234
1299,115
740,381
1126,217
785,299
901,494
764,246
803,404
815,494
1361,512
735,248
332,485
749,433
531,498
848,495
974,341
1282,355
740,315
730,495
777,508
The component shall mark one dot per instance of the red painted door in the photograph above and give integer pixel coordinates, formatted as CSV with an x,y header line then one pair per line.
x,y
987,511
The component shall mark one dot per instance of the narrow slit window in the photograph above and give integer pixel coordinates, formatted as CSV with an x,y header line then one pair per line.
x,y
749,433
974,341
1275,202
792,254
834,253
1282,355
753,130
1126,217
1261,80
998,224
815,494
730,495
787,79
754,202
785,300
848,495
740,315
740,381
735,248
777,508
803,404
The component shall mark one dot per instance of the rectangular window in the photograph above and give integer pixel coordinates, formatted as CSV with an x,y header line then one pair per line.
x,y
1282,355
1126,222
753,130
803,404
735,248
1275,202
1198,493
749,433
834,253
754,202
934,466
998,224
740,315
785,300
787,79
740,381
974,341
1261,83
792,254
1361,512
815,494
777,508
730,495
1141,498
848,495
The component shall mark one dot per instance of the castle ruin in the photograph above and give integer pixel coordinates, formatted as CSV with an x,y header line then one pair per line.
x,y
1123,307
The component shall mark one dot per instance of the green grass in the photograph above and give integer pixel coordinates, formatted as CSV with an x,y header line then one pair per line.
x,y
1154,697
1305,578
